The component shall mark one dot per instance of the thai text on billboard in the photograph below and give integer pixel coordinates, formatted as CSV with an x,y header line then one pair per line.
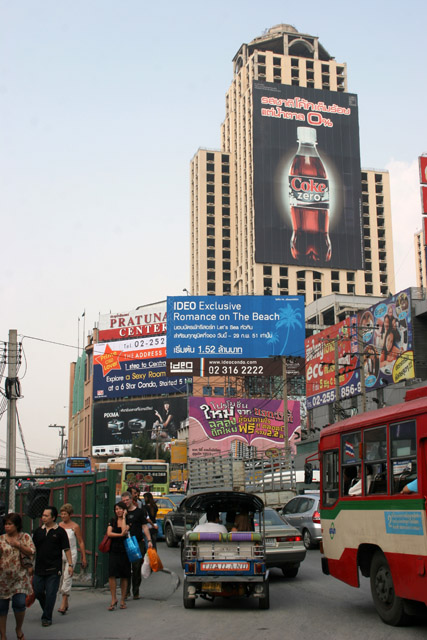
x,y
386,334
144,321
217,425
306,177
320,364
119,422
235,326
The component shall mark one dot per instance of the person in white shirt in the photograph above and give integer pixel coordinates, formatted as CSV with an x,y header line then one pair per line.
x,y
212,525
356,489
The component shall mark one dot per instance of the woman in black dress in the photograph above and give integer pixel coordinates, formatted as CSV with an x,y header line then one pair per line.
x,y
118,563
151,509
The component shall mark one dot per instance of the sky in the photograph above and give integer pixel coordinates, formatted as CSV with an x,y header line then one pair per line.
x,y
102,106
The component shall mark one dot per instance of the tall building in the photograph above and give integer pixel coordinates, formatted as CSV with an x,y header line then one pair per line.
x,y
241,209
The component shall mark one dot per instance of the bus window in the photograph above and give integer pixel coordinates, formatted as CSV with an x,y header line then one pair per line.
x,y
375,446
330,478
351,460
403,458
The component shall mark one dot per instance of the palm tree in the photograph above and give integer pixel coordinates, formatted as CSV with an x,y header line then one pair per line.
x,y
289,318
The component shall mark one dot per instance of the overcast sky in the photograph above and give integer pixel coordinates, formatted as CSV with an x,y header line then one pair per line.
x,y
103,104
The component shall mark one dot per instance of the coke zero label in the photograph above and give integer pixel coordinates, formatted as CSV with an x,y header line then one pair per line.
x,y
308,191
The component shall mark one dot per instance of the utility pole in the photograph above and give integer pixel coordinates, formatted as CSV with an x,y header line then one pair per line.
x,y
362,369
62,434
285,411
12,393
337,380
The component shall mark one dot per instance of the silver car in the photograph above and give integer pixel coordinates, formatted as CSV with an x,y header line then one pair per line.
x,y
303,513
284,547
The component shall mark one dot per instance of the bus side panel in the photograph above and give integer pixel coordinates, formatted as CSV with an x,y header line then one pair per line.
x,y
345,568
409,575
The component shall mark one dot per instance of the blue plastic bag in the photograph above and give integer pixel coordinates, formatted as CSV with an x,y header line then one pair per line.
x,y
132,549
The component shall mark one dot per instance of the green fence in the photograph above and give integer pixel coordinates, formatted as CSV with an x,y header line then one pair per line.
x,y
93,497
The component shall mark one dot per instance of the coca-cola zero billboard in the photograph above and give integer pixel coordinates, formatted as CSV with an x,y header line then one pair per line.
x,y
306,177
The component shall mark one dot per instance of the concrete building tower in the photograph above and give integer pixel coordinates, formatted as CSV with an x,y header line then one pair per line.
x,y
231,243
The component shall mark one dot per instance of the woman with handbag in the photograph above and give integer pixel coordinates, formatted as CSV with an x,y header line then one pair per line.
x,y
16,552
118,563
75,537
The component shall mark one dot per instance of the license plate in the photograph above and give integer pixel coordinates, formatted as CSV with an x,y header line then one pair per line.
x,y
270,542
211,586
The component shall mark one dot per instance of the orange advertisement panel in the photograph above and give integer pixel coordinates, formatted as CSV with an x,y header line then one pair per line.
x,y
178,452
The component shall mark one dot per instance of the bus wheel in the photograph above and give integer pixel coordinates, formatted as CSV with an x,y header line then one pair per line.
x,y
389,606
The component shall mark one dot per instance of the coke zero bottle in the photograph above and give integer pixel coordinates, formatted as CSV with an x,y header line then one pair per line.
x,y
309,200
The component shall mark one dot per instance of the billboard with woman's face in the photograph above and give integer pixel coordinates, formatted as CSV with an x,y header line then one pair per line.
x,y
386,335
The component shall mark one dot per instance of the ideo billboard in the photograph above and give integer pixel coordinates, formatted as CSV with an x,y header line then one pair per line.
x,y
306,177
235,326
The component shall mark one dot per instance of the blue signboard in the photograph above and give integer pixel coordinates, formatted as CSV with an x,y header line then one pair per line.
x,y
235,326
136,378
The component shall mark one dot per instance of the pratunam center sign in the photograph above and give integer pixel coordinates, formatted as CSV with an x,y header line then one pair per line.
x,y
144,321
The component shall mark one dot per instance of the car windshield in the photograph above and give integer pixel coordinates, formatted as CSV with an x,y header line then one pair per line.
x,y
271,518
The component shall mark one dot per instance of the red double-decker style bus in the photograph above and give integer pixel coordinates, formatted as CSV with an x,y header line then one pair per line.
x,y
372,524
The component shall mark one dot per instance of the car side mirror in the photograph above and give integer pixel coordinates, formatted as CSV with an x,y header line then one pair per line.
x,y
308,473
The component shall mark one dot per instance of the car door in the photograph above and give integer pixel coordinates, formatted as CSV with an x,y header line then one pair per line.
x,y
290,511
305,513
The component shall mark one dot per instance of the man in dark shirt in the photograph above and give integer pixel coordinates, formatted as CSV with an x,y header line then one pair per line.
x,y
136,518
50,541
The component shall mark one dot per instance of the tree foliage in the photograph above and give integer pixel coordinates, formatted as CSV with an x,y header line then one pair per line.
x,y
143,447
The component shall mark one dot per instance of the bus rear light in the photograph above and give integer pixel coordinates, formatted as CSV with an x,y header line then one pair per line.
x,y
259,567
191,567
316,517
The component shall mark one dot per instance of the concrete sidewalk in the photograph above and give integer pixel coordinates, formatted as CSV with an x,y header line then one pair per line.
x,y
88,617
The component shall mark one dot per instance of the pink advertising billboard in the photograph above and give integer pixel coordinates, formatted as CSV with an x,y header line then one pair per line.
x,y
216,424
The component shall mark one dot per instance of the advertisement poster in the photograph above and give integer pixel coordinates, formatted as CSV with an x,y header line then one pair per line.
x,y
110,356
137,378
235,326
144,321
306,177
386,333
320,364
120,422
216,423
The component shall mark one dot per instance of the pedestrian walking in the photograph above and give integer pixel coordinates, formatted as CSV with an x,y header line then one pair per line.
x,y
50,541
118,563
152,509
136,518
75,537
15,580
